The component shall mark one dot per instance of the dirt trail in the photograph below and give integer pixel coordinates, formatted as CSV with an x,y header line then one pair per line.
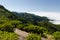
x,y
23,34
44,38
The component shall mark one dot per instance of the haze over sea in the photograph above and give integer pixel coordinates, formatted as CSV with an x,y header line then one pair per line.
x,y
51,15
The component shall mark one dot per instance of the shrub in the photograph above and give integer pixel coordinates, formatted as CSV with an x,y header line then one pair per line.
x,y
6,27
8,36
33,28
33,37
56,35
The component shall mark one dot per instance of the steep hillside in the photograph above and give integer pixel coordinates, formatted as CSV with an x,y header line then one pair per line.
x,y
27,18
36,25
5,14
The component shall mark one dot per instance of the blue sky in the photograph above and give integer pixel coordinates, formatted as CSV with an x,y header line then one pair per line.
x,y
48,8
32,5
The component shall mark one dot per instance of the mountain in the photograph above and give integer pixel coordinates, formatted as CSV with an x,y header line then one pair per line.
x,y
27,22
5,14
36,20
28,17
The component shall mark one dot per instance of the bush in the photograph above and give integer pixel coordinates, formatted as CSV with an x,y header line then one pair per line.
x,y
33,28
34,37
6,27
8,36
56,35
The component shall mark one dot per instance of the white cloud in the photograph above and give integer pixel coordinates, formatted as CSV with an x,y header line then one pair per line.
x,y
51,15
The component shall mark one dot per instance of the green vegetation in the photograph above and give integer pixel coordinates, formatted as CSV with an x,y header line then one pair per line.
x,y
34,37
28,22
56,35
33,28
7,25
8,36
